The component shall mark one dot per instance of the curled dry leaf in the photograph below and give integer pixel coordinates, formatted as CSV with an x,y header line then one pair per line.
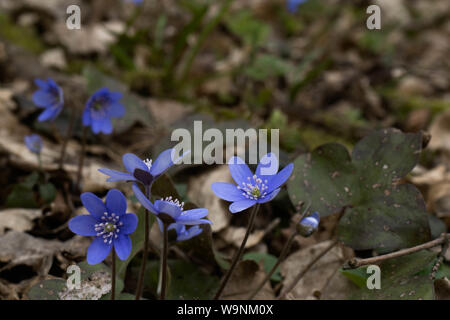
x,y
200,193
18,219
318,276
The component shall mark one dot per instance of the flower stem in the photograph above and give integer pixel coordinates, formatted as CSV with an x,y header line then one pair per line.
x,y
284,293
140,285
164,261
67,138
283,254
238,255
81,159
113,276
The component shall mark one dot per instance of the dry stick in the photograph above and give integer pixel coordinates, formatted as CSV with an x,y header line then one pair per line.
x,y
113,276
440,258
164,261
67,137
81,159
238,255
140,285
304,271
356,262
283,254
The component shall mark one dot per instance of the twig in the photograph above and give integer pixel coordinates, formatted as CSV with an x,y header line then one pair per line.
x,y
81,159
238,255
439,259
357,262
304,271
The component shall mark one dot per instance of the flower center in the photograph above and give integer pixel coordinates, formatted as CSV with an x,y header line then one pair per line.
x,y
109,229
255,188
175,202
148,163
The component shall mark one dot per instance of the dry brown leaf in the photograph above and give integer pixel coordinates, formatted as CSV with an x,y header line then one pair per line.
x,y
201,194
246,278
18,219
319,275
235,235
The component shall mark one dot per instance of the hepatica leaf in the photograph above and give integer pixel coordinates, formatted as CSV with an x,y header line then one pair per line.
x,y
403,278
380,214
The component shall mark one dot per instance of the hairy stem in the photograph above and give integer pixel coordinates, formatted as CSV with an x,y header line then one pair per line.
x,y
356,262
81,159
140,284
238,254
113,275
283,254
164,261
67,138
284,292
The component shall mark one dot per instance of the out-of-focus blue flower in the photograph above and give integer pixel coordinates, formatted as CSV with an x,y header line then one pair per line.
x,y
108,222
308,225
100,108
50,97
135,1
34,143
292,5
171,211
251,188
143,171
184,234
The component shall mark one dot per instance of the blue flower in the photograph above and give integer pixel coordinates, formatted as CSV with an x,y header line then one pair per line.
x,y
108,222
34,143
170,211
292,5
251,188
100,108
143,171
50,97
184,234
135,1
308,225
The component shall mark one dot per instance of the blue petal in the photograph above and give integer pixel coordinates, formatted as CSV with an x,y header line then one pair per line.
x,y
239,170
169,208
310,222
83,225
116,202
98,251
106,126
241,205
269,197
41,84
87,117
162,163
227,191
48,114
116,110
122,246
96,125
43,98
116,175
193,214
267,166
93,204
130,222
132,162
280,178
189,234
195,222
316,216
143,199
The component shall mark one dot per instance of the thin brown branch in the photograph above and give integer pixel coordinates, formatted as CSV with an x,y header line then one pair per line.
x,y
356,262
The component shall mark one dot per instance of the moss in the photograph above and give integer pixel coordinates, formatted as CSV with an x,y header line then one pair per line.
x,y
21,36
